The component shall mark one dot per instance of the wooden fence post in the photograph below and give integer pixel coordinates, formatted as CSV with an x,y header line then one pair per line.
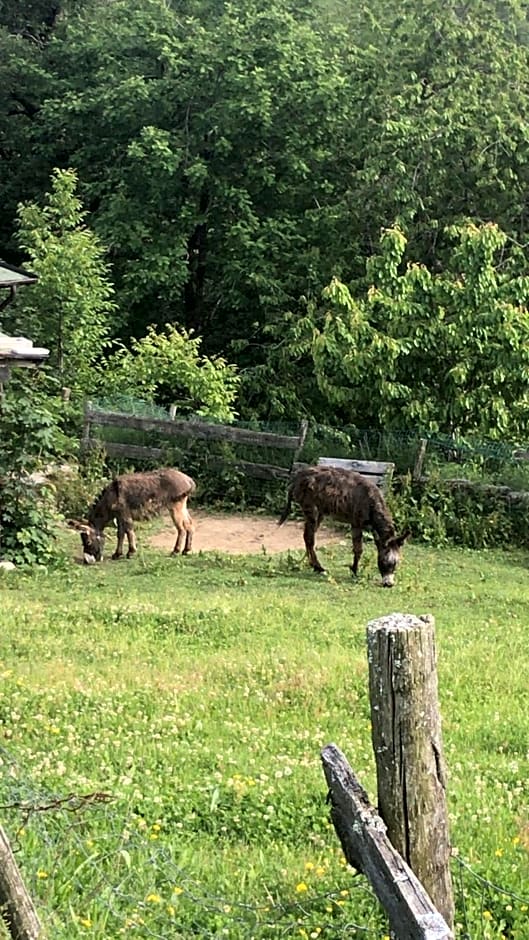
x,y
406,733
419,460
87,425
16,907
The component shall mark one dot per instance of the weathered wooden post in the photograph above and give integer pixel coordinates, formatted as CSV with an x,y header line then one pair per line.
x,y
16,907
406,733
419,460
86,442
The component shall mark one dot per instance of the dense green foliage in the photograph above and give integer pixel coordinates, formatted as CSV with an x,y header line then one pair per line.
x,y
196,693
447,350
31,438
233,158
168,366
71,309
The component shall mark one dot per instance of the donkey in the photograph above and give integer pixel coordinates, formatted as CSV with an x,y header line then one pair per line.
x,y
348,497
138,496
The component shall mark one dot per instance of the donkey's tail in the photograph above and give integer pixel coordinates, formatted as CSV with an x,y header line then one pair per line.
x,y
286,510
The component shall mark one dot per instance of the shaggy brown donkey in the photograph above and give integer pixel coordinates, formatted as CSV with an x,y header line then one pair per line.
x,y
348,497
138,496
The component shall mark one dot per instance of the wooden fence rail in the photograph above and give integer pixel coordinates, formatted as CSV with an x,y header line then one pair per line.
x,y
362,834
197,430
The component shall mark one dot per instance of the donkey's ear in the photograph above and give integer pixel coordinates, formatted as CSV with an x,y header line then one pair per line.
x,y
80,526
403,538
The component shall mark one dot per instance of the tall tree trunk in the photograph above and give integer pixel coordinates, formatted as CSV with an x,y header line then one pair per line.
x,y
197,255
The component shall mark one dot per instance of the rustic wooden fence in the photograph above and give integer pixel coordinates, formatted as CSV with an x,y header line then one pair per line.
x,y
405,851
195,430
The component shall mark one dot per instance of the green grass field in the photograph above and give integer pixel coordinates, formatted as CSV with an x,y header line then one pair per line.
x,y
161,723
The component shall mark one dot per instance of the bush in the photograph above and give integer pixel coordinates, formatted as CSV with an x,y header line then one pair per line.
x,y
29,427
469,514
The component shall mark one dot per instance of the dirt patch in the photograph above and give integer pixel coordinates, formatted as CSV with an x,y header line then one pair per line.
x,y
244,534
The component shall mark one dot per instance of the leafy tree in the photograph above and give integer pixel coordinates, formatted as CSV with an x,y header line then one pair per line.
x,y
69,308
168,366
235,158
445,350
205,139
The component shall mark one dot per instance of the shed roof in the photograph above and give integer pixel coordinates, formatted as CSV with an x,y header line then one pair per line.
x,y
12,277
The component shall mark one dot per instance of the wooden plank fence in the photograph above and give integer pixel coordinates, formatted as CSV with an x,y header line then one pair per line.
x,y
378,471
197,430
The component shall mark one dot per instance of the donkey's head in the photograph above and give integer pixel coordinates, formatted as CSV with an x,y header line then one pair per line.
x,y
389,556
93,541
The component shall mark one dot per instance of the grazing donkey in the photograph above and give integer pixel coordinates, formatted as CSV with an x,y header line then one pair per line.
x,y
348,497
138,496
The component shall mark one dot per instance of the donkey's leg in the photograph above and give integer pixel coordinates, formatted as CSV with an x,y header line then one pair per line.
x,y
189,527
357,549
312,522
131,537
121,536
178,522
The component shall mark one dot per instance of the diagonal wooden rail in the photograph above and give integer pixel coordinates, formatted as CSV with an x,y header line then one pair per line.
x,y
362,834
16,907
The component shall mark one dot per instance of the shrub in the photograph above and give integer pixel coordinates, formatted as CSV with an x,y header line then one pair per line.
x,y
30,440
470,514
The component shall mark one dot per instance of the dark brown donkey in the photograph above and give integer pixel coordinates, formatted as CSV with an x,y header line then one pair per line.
x,y
348,497
135,496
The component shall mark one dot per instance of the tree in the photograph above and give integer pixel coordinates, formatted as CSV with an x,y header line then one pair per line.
x,y
234,158
445,350
168,367
70,306
205,141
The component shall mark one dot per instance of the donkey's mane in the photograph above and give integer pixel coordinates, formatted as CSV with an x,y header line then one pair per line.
x,y
382,520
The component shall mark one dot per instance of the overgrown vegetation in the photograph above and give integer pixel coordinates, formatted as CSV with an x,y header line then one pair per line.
x,y
196,693
230,194
31,438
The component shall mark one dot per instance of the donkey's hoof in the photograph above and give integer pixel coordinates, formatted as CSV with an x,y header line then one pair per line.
x,y
130,554
320,570
117,555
